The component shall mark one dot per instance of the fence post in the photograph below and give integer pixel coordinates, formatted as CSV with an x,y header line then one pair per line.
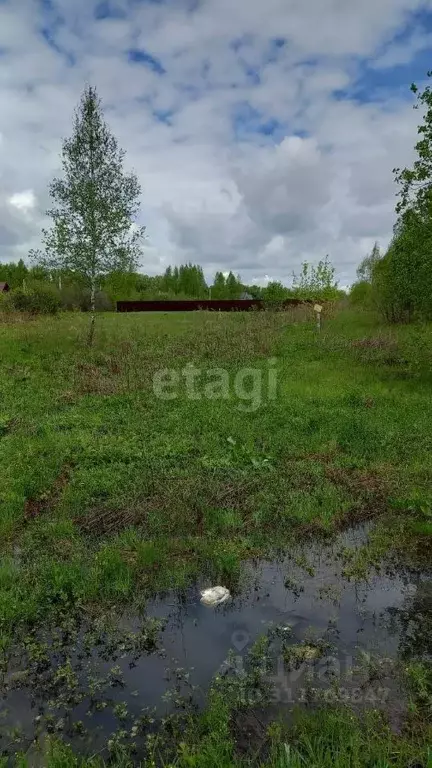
x,y
318,310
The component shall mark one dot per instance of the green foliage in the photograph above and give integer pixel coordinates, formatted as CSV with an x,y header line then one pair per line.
x,y
275,291
186,281
338,738
361,294
13,274
190,281
120,285
403,278
366,269
316,282
40,298
387,289
234,287
256,291
368,291
218,289
95,204
19,275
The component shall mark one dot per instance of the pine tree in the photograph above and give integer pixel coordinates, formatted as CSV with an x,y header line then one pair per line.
x,y
95,204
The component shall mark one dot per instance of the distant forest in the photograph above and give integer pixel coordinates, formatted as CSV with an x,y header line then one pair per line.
x,y
186,281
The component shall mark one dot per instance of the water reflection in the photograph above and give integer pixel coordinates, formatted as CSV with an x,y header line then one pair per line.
x,y
101,681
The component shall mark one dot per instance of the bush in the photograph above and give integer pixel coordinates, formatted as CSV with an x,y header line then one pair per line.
x,y
41,298
102,302
317,283
392,298
361,294
5,303
19,300
71,296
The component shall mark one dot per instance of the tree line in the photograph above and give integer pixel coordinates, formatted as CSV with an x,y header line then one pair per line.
x,y
65,289
398,282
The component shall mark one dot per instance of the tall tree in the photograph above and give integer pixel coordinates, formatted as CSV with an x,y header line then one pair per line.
x,y
416,182
366,268
403,278
95,204
169,281
218,290
234,286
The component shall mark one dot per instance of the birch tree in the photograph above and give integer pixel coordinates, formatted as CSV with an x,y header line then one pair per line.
x,y
95,204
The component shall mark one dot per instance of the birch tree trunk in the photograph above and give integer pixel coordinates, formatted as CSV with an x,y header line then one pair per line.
x,y
93,311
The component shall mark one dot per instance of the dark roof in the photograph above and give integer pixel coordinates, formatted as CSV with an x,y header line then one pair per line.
x,y
4,287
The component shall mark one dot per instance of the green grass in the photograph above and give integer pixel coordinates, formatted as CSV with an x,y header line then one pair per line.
x,y
108,493
106,487
330,738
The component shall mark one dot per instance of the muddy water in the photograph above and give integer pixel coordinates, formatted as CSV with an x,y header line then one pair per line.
x,y
365,632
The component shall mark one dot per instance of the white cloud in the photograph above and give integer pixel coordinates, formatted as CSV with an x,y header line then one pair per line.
x,y
403,53
23,201
216,187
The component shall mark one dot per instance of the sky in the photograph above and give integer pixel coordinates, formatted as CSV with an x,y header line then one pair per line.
x,y
264,132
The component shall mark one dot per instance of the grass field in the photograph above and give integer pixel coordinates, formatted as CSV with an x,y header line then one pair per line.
x,y
109,493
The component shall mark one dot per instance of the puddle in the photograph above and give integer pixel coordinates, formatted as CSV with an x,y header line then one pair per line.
x,y
362,632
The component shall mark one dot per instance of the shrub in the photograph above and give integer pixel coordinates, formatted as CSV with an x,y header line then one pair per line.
x,y
102,302
361,294
19,300
41,298
317,283
392,299
71,296
5,303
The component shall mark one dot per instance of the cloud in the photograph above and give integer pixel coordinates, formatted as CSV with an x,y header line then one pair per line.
x,y
403,53
23,201
259,137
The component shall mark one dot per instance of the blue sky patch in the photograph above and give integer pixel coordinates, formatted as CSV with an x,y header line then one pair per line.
x,y
417,21
47,5
249,122
140,56
241,42
51,22
50,40
276,46
400,77
378,84
146,2
252,74
194,5
163,116
107,10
